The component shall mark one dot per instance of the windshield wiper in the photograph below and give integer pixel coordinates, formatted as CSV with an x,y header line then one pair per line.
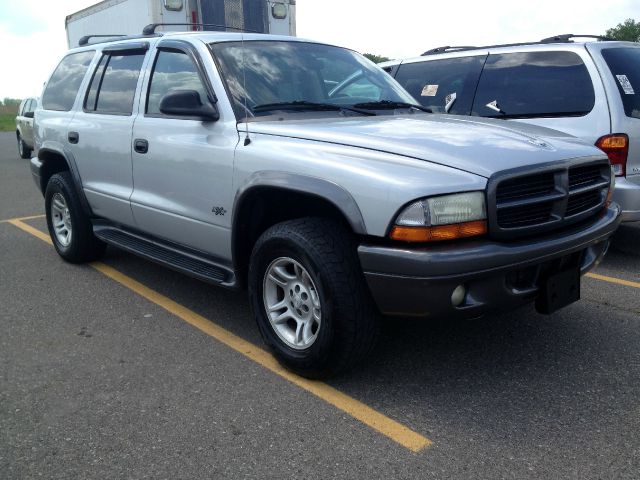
x,y
389,105
304,105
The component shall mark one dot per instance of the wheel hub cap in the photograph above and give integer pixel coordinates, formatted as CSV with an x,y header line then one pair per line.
x,y
292,303
61,220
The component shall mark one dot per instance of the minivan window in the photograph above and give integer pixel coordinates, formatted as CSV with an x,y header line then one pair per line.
x,y
63,86
534,84
113,85
624,64
173,70
444,86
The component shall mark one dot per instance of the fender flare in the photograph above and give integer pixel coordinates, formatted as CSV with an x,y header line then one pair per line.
x,y
319,187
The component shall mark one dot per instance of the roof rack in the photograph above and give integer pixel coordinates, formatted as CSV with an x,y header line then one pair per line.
x,y
85,40
446,48
151,28
564,38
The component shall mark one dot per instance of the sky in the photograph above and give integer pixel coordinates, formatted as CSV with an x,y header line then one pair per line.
x,y
33,39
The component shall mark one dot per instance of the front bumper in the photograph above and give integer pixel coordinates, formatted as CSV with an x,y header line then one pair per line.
x,y
627,195
496,275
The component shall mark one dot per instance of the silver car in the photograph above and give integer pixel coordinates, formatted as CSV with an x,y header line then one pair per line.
x,y
589,89
24,126
304,173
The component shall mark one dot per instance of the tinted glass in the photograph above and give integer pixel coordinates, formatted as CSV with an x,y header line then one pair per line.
x,y
173,71
63,85
444,86
624,64
115,84
277,72
90,103
30,106
534,84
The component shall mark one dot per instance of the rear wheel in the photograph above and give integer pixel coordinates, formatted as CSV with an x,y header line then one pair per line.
x,y
23,150
309,297
69,227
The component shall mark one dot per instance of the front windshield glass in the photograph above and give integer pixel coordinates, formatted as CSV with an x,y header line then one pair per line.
x,y
292,77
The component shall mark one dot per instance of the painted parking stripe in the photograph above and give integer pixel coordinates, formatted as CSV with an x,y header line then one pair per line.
x,y
617,281
32,217
356,409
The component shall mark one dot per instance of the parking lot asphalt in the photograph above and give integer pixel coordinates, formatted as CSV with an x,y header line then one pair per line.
x,y
99,380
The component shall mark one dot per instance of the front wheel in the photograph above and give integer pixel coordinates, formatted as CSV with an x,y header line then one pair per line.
x,y
23,150
309,297
69,226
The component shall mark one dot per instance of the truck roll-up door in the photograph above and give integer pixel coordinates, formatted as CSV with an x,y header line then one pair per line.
x,y
242,14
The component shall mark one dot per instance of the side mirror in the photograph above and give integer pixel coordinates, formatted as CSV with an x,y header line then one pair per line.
x,y
187,103
28,114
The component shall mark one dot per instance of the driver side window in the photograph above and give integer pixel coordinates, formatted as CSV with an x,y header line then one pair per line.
x,y
173,70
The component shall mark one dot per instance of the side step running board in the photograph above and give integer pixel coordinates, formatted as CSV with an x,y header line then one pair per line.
x,y
173,256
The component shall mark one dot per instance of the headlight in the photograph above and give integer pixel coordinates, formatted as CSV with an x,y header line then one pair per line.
x,y
442,218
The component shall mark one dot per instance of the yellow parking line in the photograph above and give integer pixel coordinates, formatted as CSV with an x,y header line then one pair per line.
x,y
358,410
32,217
618,281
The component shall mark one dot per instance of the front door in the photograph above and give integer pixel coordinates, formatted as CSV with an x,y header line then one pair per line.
x,y
183,177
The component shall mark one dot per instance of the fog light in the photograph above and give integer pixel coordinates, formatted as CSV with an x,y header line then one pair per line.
x,y
457,297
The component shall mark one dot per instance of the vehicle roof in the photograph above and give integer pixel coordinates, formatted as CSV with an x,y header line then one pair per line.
x,y
206,37
520,47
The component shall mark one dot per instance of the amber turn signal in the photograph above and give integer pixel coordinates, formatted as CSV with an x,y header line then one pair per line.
x,y
439,233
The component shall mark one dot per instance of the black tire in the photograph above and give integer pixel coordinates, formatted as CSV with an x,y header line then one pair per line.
x,y
82,245
350,322
23,150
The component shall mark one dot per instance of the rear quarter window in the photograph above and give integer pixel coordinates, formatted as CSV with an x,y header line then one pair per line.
x,y
624,64
62,88
534,84
444,86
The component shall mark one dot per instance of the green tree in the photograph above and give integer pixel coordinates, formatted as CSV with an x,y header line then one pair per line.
x,y
629,31
13,102
376,58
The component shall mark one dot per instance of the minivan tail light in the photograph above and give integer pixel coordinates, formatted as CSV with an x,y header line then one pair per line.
x,y
616,146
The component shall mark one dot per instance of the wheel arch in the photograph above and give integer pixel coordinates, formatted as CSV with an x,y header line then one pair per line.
x,y
55,161
268,198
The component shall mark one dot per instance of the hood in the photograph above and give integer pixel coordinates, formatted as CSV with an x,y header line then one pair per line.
x,y
479,146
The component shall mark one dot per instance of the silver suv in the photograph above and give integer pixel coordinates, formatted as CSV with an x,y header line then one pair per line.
x,y
590,89
305,173
24,126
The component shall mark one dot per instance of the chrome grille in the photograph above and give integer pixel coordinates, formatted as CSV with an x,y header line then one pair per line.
x,y
526,204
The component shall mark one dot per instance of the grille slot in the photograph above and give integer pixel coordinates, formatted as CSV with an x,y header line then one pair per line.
x,y
583,201
519,188
580,177
545,200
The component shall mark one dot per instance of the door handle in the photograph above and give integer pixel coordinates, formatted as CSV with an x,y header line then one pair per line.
x,y
140,145
73,137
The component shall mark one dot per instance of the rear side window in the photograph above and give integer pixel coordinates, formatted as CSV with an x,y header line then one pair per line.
x,y
534,84
624,64
64,84
444,86
113,85
173,70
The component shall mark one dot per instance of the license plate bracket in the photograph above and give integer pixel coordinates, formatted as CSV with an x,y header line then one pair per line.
x,y
559,290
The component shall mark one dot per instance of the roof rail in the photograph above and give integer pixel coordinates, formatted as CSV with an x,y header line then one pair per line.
x,y
85,40
447,48
151,28
566,38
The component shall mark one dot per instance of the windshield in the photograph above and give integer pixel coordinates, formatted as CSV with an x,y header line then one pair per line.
x,y
624,64
293,77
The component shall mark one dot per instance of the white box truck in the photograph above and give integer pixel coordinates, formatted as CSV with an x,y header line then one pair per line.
x,y
129,17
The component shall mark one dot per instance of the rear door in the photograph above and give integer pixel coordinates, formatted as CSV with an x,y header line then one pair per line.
x,y
27,121
99,135
553,88
622,79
